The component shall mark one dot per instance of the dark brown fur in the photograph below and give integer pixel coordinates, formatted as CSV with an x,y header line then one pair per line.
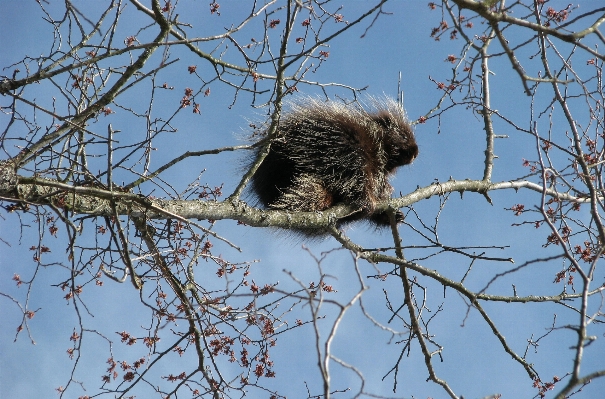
x,y
328,152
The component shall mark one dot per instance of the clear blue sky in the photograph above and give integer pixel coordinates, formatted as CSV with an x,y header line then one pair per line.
x,y
474,363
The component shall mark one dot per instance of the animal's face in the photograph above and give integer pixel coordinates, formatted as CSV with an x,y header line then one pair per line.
x,y
401,152
398,140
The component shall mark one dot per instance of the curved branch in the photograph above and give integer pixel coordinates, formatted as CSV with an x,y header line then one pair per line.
x,y
493,17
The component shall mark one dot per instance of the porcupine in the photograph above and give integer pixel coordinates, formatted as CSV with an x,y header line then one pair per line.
x,y
328,152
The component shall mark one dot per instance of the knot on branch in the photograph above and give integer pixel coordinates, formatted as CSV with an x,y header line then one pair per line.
x,y
8,177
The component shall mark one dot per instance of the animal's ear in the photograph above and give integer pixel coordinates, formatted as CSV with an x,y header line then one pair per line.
x,y
383,119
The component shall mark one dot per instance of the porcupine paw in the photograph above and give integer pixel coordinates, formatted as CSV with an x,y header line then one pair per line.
x,y
382,219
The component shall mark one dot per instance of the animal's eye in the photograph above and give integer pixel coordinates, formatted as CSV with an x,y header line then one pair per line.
x,y
384,121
